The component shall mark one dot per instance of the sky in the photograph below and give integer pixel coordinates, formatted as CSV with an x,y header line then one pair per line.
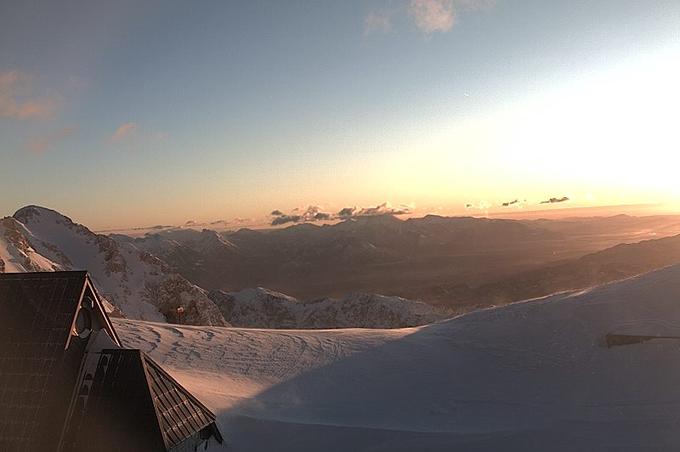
x,y
136,113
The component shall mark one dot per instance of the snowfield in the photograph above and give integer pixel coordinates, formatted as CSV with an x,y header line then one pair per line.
x,y
533,376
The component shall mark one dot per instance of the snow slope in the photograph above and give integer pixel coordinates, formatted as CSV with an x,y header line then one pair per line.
x,y
533,376
263,308
16,252
139,284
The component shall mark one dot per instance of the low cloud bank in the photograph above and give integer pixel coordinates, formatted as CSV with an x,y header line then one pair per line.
x,y
314,213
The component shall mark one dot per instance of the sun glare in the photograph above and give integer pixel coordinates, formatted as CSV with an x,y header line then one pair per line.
x,y
607,136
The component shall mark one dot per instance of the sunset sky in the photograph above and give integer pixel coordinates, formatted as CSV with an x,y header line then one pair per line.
x,y
137,113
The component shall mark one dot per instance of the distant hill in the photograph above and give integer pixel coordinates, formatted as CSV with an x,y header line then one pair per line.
x,y
619,262
262,308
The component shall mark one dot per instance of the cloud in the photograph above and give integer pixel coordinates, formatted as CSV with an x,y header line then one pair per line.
x,y
314,213
347,212
43,143
124,132
382,209
134,134
311,214
433,16
515,202
283,219
378,22
555,200
17,101
429,16
481,205
193,224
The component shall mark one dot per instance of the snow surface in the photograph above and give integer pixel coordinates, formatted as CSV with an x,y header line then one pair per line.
x,y
533,376
16,252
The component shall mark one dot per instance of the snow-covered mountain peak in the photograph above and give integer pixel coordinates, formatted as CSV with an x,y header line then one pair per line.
x,y
33,214
138,283
263,293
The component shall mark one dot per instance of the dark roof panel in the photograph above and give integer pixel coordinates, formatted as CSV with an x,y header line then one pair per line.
x,y
179,413
130,393
36,312
129,403
113,408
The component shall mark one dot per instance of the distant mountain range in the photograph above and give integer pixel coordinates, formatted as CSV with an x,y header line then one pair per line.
x,y
139,285
452,262
263,308
453,265
611,264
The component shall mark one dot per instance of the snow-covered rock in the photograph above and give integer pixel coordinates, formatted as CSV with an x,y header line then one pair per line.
x,y
263,308
139,284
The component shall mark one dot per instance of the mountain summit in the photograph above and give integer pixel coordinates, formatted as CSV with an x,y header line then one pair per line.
x,y
140,285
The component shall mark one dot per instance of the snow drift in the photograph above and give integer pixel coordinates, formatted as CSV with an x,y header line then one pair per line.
x,y
532,376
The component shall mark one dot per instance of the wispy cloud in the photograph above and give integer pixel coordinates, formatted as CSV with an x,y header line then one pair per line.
x,y
429,16
555,200
515,203
18,101
124,132
433,15
479,205
43,143
133,134
381,209
378,22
